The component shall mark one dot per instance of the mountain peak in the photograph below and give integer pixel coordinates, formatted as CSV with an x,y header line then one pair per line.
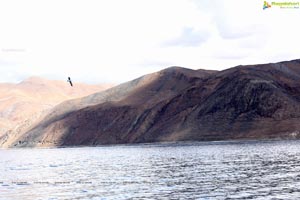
x,y
34,79
21,104
175,104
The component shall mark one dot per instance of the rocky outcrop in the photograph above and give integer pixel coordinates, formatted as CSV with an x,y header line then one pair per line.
x,y
177,104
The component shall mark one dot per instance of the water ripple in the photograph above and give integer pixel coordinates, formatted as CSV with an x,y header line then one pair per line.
x,y
210,170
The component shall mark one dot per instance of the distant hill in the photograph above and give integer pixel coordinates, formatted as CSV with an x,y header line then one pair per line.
x,y
23,103
179,104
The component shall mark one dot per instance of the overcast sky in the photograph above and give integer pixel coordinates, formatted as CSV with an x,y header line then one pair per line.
x,y
98,41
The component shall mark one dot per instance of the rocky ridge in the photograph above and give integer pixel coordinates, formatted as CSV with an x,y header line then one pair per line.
x,y
179,104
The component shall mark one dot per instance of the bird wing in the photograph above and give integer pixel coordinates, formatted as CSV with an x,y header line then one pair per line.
x,y
69,80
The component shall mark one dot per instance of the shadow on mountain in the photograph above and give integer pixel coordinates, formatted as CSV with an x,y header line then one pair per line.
x,y
178,104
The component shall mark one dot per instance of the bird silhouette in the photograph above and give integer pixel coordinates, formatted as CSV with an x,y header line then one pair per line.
x,y
69,80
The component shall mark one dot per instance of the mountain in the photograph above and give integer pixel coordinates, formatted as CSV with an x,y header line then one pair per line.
x,y
179,104
21,104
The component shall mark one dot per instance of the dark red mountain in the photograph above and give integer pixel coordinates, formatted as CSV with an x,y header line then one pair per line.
x,y
178,104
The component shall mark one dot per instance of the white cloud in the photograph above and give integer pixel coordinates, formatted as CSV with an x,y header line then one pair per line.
x,y
116,40
189,37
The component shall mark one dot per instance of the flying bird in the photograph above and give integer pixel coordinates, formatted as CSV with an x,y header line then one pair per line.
x,y
69,80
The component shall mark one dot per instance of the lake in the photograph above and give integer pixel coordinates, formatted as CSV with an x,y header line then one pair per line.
x,y
190,170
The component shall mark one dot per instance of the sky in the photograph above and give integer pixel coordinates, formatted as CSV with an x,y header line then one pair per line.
x,y
113,41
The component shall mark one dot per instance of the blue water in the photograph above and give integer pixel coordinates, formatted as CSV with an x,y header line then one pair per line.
x,y
209,170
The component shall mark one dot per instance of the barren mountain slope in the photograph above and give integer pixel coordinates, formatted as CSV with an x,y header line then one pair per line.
x,y
22,103
255,101
144,91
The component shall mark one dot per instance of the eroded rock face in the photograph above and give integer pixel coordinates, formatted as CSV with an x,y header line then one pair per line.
x,y
258,101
